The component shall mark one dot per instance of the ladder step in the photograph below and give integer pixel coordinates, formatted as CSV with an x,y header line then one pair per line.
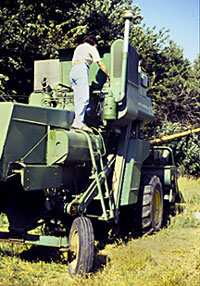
x,y
108,217
98,197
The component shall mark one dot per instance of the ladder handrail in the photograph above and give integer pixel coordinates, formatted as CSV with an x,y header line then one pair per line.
x,y
98,175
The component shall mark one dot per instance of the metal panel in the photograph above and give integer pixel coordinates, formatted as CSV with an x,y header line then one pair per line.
x,y
34,239
57,146
35,177
65,71
116,67
132,75
70,146
43,115
131,104
25,142
138,151
49,69
117,60
6,113
25,133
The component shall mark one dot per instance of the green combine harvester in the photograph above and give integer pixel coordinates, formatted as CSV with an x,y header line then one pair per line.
x,y
74,184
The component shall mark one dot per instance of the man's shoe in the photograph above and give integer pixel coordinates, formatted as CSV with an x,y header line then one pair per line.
x,y
81,126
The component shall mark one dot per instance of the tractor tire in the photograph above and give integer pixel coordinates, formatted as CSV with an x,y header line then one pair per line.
x,y
81,241
151,205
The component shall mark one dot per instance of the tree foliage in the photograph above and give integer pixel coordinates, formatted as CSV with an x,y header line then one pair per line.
x,y
174,88
31,30
175,93
186,149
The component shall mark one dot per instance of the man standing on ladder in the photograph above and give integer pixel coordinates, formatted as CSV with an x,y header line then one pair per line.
x,y
84,55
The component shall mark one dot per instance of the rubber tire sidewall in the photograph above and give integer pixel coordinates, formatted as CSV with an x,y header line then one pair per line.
x,y
86,246
147,192
158,186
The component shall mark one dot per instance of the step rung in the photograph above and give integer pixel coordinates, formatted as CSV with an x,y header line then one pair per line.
x,y
97,197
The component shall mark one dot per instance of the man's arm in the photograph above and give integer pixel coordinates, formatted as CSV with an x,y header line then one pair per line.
x,y
103,68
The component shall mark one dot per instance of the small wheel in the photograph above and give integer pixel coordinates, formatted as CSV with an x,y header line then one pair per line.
x,y
81,241
151,205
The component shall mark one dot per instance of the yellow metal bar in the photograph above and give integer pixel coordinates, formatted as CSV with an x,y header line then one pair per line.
x,y
174,136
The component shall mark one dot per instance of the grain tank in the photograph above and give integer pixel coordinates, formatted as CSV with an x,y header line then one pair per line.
x,y
69,182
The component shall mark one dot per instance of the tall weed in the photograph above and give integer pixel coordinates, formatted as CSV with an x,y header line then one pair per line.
x,y
190,189
170,257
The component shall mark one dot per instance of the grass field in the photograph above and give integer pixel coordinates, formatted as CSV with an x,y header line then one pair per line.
x,y
170,257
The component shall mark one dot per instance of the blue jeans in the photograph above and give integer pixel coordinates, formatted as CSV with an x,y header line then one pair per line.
x,y
79,78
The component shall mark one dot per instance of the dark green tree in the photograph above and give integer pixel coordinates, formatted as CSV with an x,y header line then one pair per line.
x,y
32,30
168,71
36,30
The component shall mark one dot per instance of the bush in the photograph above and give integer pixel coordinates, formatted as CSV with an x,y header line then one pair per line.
x,y
186,149
190,218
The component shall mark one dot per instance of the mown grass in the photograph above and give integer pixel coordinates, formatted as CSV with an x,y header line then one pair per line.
x,y
170,257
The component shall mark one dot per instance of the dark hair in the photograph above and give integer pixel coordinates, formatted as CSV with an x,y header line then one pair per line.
x,y
90,40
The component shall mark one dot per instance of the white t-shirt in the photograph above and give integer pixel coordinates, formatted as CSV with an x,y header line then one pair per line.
x,y
86,53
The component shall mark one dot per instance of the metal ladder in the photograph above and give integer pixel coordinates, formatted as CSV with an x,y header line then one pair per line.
x,y
99,177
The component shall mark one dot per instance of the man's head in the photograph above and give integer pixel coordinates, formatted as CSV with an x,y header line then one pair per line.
x,y
90,39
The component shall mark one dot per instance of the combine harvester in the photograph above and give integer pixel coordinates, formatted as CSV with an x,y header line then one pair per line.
x,y
71,182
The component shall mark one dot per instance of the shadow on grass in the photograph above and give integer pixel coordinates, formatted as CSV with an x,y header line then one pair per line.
x,y
50,254
42,253
100,261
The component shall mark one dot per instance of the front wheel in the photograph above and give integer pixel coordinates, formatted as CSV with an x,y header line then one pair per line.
x,y
151,204
81,241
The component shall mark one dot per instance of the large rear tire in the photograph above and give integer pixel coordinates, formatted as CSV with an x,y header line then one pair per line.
x,y
81,241
151,205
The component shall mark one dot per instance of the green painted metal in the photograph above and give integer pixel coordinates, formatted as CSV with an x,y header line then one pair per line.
x,y
95,189
36,157
70,146
109,107
39,99
37,177
51,172
120,165
127,85
168,164
167,176
131,154
138,151
65,67
33,239
25,133
104,215
116,55
6,113
161,163
143,82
